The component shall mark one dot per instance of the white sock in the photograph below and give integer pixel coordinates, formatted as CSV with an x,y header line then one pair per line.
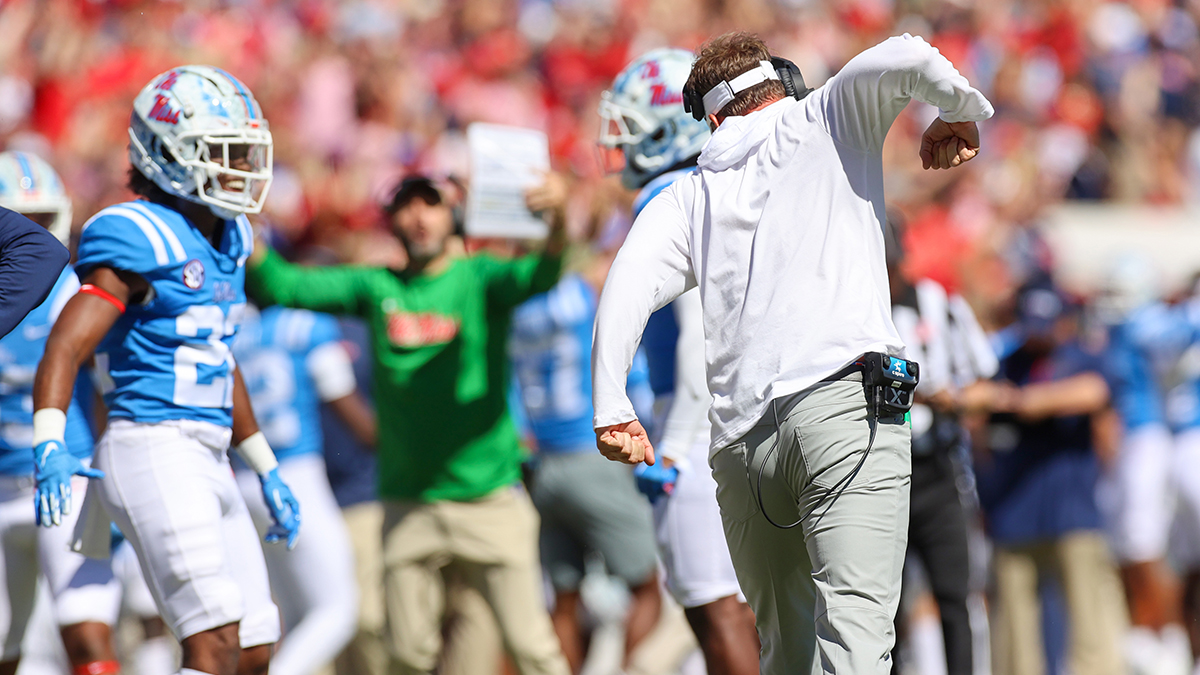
x,y
1142,649
155,656
1176,650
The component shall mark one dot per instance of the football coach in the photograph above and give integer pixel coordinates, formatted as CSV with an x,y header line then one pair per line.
x,y
781,227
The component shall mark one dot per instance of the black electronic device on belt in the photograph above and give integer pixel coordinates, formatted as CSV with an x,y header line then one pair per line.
x,y
889,383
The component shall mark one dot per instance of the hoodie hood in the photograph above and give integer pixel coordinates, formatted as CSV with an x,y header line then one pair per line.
x,y
738,137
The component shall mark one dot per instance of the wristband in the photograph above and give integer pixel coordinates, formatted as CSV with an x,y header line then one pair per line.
x,y
89,289
257,454
49,424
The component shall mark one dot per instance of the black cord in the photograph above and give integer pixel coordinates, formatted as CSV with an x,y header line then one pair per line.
x,y
872,421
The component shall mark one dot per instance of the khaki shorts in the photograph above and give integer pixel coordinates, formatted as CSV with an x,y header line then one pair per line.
x,y
588,503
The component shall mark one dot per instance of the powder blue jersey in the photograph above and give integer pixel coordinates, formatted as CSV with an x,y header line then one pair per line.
x,y
551,351
1141,351
1183,399
662,332
169,357
273,351
20,352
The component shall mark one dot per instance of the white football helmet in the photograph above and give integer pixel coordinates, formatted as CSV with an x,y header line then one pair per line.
x,y
1130,282
643,115
190,126
30,186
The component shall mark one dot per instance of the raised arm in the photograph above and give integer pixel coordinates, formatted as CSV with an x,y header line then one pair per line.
x,y
30,261
862,100
271,280
652,268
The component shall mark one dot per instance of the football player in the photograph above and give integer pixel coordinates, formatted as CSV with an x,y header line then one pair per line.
x,y
293,361
642,117
1145,338
161,299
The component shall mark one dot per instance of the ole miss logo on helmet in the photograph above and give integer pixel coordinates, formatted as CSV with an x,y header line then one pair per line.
x,y
659,93
420,329
162,110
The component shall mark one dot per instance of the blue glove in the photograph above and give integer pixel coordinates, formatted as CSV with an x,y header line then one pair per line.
x,y
118,537
54,467
284,508
655,481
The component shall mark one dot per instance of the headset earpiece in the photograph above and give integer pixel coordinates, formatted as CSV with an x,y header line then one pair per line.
x,y
790,77
693,103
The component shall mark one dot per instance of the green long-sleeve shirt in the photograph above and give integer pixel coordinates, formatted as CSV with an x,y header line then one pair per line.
x,y
440,364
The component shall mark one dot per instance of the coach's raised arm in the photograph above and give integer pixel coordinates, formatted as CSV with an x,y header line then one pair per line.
x,y
781,228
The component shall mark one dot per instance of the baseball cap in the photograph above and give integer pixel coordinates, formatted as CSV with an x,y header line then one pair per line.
x,y
1039,305
411,188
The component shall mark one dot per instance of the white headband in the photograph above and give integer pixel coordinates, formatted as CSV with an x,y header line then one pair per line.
x,y
719,96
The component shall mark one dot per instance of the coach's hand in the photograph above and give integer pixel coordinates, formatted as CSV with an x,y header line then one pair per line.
x,y
285,510
625,442
947,144
53,468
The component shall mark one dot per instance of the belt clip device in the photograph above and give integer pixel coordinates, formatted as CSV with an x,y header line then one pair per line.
x,y
890,383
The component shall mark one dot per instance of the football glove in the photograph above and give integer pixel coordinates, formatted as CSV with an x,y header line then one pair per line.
x,y
53,468
285,510
655,481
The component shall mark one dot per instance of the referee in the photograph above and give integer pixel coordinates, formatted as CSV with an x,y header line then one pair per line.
x,y
781,227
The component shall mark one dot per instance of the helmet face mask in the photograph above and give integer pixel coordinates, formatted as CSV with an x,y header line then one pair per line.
x,y
643,116
198,134
31,187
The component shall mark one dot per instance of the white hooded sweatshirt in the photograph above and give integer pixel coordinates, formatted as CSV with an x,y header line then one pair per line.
x,y
782,229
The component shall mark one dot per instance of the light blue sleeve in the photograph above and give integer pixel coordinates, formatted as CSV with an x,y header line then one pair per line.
x,y
325,330
110,240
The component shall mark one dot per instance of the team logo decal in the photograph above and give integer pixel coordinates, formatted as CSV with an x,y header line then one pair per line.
x,y
193,274
419,329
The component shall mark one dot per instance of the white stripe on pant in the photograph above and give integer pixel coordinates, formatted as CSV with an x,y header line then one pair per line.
x,y
824,593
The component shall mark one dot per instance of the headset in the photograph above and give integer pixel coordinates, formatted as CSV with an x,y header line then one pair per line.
x,y
778,68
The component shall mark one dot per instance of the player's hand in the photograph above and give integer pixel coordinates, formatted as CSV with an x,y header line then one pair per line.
x,y
53,468
626,442
947,144
656,481
285,510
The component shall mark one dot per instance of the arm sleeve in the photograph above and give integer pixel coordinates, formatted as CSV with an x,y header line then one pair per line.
x,y
688,414
863,99
335,290
652,268
328,363
511,282
30,261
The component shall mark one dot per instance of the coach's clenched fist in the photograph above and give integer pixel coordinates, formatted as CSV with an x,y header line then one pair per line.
x,y
947,144
625,442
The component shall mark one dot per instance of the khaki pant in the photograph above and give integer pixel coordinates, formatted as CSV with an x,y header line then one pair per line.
x,y
824,593
365,655
1091,589
492,544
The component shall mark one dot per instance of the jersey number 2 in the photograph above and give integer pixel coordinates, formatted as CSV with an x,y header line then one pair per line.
x,y
204,370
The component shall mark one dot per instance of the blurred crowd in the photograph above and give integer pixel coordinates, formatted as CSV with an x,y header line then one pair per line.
x,y
1094,101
